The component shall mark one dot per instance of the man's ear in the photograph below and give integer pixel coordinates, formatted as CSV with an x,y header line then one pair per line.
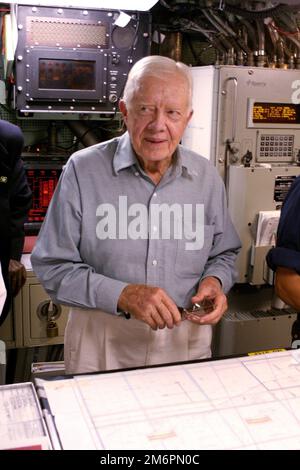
x,y
123,109
190,115
189,118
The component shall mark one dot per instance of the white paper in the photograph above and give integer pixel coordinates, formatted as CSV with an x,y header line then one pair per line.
x,y
122,20
242,403
267,228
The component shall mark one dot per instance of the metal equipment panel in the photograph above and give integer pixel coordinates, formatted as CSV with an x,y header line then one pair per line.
x,y
74,60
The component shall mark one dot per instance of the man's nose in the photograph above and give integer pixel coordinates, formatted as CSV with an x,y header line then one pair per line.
x,y
158,122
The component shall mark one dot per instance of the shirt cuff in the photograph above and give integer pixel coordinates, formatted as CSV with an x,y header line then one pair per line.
x,y
226,283
108,295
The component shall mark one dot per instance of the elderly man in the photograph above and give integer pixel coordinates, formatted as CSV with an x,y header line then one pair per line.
x,y
137,228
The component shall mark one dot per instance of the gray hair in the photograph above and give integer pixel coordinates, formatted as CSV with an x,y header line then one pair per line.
x,y
156,66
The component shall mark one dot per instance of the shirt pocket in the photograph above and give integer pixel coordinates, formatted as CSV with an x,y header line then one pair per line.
x,y
192,254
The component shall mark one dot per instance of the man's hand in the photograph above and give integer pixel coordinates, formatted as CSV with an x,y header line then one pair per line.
x,y
210,288
149,304
17,276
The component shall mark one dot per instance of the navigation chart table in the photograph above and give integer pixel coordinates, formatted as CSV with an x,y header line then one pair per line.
x,y
249,402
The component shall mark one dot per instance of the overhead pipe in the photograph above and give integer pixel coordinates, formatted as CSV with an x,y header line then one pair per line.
x,y
254,14
189,25
278,50
286,20
83,132
224,29
237,41
238,46
228,41
241,41
261,57
251,32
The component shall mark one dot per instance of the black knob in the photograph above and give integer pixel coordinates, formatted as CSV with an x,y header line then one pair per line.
x,y
112,98
115,60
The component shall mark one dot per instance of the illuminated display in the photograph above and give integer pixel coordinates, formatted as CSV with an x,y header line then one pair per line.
x,y
276,113
66,74
42,183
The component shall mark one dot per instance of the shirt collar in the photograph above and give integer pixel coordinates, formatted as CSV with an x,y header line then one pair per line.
x,y
125,157
185,163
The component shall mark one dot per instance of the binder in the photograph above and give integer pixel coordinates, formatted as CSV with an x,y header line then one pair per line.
x,y
22,424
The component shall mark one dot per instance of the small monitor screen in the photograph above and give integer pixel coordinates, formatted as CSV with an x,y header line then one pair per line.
x,y
276,113
61,74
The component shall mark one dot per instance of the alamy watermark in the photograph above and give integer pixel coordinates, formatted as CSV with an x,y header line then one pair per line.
x,y
160,221
296,93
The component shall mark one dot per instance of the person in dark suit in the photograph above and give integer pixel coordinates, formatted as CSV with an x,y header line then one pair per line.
x,y
284,258
15,201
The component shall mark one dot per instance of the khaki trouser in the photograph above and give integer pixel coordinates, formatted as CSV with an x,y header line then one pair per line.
x,y
95,341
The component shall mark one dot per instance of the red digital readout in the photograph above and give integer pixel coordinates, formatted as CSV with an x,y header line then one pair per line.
x,y
42,183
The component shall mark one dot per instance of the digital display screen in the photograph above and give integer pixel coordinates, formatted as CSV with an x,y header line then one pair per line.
x,y
42,183
276,113
61,74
